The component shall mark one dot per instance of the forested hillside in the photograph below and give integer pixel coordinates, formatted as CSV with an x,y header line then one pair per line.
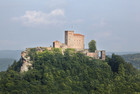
x,y
134,59
71,73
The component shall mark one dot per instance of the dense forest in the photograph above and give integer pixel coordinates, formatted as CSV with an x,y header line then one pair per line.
x,y
71,73
134,59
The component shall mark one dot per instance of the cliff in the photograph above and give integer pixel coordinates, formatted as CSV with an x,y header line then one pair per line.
x,y
26,61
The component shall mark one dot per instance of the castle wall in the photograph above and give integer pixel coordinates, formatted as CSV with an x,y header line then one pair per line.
x,y
96,54
78,41
49,48
93,54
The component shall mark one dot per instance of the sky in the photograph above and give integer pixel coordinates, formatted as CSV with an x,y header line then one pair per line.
x,y
113,24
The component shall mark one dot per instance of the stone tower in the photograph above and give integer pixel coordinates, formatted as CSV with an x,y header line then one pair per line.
x,y
74,40
69,38
56,44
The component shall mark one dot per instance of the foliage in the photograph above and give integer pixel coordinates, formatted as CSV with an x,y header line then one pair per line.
x,y
71,73
69,52
115,61
32,53
92,46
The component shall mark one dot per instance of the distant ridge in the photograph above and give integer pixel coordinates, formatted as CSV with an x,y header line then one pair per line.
x,y
4,63
121,53
13,54
7,58
134,59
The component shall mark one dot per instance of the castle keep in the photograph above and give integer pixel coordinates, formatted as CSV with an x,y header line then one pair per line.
x,y
72,40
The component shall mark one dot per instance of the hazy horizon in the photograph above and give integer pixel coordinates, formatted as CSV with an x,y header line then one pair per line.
x,y
114,25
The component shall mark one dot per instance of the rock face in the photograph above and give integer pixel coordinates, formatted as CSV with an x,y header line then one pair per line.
x,y
26,62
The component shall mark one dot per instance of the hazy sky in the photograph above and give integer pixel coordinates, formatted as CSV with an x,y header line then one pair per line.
x,y
114,24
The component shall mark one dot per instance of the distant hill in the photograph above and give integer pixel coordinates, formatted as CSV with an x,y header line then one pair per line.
x,y
14,54
119,53
134,59
7,58
5,62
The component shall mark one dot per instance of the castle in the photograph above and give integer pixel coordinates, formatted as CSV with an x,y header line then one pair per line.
x,y
76,41
72,40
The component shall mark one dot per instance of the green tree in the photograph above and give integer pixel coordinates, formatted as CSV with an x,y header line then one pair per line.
x,y
69,52
115,61
92,46
121,70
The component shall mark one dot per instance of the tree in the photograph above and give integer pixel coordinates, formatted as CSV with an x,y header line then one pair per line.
x,y
121,70
115,61
69,52
92,46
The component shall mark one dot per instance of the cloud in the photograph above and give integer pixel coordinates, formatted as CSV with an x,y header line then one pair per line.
x,y
56,16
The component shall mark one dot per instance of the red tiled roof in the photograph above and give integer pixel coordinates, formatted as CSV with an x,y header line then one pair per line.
x,y
78,35
56,41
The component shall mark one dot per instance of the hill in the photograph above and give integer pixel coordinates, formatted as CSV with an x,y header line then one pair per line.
x,y
71,73
119,53
134,59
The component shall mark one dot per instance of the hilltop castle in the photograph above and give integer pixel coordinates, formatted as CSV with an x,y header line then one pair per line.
x,y
72,40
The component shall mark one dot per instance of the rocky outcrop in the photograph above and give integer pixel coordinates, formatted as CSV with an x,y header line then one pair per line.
x,y
26,59
26,62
